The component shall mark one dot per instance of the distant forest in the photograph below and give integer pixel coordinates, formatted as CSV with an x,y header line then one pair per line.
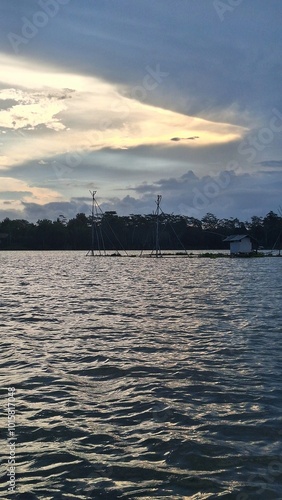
x,y
137,232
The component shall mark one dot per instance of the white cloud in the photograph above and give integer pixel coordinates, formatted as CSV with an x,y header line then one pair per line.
x,y
29,194
32,109
97,116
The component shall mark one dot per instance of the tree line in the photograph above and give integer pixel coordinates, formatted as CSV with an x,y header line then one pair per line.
x,y
137,232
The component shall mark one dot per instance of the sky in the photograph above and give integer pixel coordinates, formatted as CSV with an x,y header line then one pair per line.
x,y
133,99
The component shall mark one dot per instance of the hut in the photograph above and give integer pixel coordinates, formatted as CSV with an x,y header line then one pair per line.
x,y
239,244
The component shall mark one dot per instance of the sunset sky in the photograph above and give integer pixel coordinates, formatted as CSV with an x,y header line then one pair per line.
x,y
138,98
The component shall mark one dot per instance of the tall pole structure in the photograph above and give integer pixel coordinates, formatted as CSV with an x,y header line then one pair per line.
x,y
93,222
96,234
158,249
97,222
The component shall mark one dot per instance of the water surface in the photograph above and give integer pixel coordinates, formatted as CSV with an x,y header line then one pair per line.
x,y
142,378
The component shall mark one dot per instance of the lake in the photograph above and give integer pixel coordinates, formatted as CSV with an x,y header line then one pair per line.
x,y
141,378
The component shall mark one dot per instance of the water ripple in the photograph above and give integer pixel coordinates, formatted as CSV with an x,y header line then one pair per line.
x,y
142,378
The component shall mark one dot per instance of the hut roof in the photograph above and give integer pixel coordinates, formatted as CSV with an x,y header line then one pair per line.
x,y
236,237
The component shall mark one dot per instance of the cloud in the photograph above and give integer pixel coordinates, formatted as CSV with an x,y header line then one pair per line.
x,y
18,192
33,211
227,194
29,109
97,116
271,164
177,139
130,96
6,104
212,65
